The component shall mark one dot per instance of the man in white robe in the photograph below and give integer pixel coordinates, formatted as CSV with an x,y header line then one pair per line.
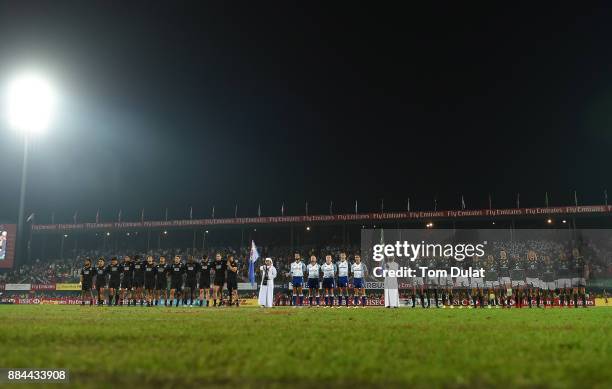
x,y
266,290
391,285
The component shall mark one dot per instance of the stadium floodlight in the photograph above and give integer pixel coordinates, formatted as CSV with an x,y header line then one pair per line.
x,y
549,221
30,103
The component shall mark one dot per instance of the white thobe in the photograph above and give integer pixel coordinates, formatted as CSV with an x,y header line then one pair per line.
x,y
266,292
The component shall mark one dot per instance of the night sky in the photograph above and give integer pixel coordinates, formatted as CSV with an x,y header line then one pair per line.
x,y
270,103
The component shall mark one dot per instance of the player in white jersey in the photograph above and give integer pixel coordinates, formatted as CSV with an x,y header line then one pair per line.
x,y
329,272
343,279
297,279
313,270
359,271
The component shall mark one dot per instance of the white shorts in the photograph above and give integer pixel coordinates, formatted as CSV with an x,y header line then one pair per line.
x,y
578,282
418,281
491,284
447,281
504,280
564,283
476,282
518,282
462,282
533,282
547,285
433,281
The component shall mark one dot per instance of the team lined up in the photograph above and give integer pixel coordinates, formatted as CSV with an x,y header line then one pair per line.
x,y
139,281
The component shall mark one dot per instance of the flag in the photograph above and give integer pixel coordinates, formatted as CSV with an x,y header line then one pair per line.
x,y
52,217
356,210
74,217
119,216
259,210
382,205
546,199
191,213
518,200
306,208
606,196
166,214
283,209
331,207
490,201
236,211
98,216
435,203
462,203
575,198
213,212
252,259
30,218
408,205
142,215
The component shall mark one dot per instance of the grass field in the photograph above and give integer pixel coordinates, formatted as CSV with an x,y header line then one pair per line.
x,y
311,348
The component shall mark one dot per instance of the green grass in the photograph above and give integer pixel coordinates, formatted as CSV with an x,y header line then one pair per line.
x,y
311,348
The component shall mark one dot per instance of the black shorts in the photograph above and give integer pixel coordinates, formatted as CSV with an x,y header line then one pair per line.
x,y
98,287
86,286
138,283
232,283
219,281
113,284
205,283
190,283
176,284
149,284
161,284
126,284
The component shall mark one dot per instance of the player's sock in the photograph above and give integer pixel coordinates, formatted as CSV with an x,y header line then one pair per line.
x,y
575,300
584,304
538,301
318,299
481,301
529,300
301,300
339,300
310,300
364,300
294,300
413,300
422,297
346,300
355,300
436,297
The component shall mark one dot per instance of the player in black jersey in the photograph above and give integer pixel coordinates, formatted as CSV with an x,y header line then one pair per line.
x,y
176,279
114,281
232,279
204,282
220,266
127,268
150,273
161,281
192,268
139,268
579,275
87,274
532,278
100,280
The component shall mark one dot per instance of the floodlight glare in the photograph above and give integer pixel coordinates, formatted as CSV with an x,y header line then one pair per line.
x,y
30,103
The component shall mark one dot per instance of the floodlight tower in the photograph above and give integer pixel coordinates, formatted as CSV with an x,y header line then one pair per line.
x,y
30,105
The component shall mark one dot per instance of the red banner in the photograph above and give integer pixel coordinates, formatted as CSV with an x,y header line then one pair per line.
x,y
380,216
42,287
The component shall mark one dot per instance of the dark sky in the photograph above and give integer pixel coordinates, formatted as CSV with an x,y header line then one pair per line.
x,y
172,106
